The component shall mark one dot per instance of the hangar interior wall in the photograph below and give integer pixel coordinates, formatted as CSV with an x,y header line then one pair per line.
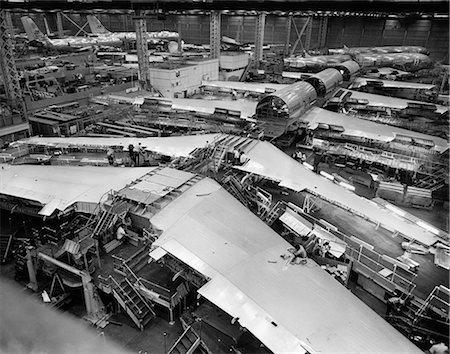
x,y
432,33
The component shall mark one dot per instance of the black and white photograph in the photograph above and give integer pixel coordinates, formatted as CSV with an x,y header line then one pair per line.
x,y
216,177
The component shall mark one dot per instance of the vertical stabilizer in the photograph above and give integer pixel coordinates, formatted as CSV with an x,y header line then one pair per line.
x,y
96,26
33,32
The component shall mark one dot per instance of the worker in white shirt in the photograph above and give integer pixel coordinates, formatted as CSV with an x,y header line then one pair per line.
x,y
120,233
110,155
440,348
236,155
243,158
300,255
138,153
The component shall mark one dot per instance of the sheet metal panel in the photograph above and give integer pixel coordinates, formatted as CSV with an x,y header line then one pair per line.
x,y
296,222
158,253
236,303
191,259
166,181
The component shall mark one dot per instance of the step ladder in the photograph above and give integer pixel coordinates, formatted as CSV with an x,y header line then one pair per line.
x,y
218,156
274,213
134,304
186,343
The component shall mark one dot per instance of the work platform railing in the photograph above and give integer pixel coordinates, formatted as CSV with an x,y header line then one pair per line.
x,y
382,269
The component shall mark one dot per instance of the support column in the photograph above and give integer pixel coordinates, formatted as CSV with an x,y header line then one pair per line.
x,y
9,22
308,33
288,35
323,28
214,34
59,25
142,50
180,47
259,37
8,68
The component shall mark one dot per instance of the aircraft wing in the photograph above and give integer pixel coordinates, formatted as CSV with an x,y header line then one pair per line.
x,y
392,102
60,187
268,161
246,107
289,308
362,81
244,86
176,146
371,130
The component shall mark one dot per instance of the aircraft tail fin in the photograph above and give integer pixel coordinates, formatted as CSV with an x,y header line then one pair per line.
x,y
96,26
33,32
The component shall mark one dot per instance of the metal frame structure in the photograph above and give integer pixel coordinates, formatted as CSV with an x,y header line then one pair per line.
x,y
288,35
8,66
323,28
308,24
259,37
59,25
214,34
142,49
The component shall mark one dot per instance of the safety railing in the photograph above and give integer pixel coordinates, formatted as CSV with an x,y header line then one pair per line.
x,y
121,292
371,261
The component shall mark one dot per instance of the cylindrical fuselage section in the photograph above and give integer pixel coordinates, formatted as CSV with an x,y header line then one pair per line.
x,y
280,109
405,61
325,81
348,69
381,50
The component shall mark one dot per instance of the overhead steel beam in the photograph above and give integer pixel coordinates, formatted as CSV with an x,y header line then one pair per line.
x,y
259,37
214,34
382,6
142,51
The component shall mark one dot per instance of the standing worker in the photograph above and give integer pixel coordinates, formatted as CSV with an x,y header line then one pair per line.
x,y
138,153
131,153
110,155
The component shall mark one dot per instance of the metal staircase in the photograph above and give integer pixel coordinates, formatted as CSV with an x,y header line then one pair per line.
x,y
435,181
234,187
109,216
186,343
134,304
